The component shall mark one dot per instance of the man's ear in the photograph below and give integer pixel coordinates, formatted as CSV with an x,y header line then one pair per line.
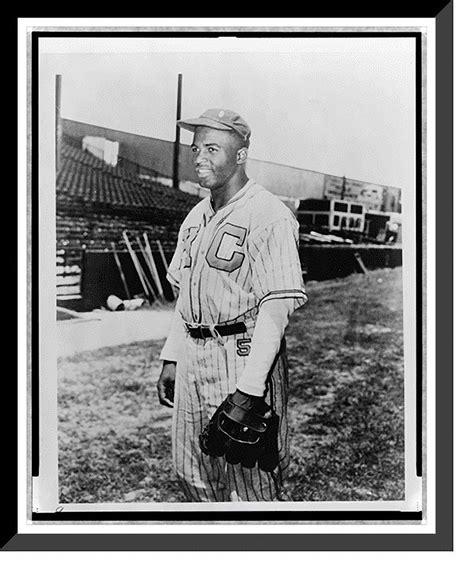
x,y
242,155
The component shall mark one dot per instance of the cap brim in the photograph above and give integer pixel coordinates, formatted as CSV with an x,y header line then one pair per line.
x,y
191,124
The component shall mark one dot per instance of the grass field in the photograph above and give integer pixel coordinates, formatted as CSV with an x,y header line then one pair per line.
x,y
346,405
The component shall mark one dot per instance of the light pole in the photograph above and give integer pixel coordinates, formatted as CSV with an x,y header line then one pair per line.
x,y
176,141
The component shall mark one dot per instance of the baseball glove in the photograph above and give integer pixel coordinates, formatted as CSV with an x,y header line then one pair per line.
x,y
244,429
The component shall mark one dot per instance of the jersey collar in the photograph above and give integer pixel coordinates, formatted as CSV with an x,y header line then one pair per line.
x,y
235,198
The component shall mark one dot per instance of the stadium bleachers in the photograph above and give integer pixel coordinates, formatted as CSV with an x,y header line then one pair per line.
x,y
96,202
87,177
97,231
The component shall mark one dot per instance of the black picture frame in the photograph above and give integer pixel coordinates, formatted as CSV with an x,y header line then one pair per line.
x,y
442,539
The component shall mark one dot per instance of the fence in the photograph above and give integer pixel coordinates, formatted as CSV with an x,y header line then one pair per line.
x,y
324,262
102,275
69,264
94,275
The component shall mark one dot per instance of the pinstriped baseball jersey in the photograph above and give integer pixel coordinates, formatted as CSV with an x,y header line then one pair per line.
x,y
227,263
230,261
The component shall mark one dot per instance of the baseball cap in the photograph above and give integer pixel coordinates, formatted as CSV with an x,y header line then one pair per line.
x,y
223,119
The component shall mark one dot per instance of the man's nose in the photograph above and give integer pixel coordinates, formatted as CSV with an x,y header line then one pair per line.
x,y
199,158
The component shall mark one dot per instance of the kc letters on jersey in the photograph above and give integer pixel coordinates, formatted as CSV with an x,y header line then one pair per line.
x,y
228,262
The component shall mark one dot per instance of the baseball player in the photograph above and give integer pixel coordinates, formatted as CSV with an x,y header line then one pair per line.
x,y
239,277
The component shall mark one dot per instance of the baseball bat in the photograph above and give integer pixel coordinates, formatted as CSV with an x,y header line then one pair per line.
x,y
163,258
120,269
165,264
153,265
137,265
147,264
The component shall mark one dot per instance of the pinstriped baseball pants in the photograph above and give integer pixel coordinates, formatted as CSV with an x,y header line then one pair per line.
x,y
204,377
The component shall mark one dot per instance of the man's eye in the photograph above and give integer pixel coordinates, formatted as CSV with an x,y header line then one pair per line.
x,y
194,149
212,150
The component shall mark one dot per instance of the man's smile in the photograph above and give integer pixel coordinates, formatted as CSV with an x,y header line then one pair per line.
x,y
203,171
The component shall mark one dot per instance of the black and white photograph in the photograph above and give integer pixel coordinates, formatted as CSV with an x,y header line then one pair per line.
x,y
228,274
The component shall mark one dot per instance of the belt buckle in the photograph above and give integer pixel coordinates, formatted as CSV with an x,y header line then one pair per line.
x,y
196,331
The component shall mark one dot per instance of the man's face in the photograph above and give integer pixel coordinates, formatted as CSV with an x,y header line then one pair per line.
x,y
214,156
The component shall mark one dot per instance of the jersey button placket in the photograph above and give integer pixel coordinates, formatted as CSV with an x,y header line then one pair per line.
x,y
200,266
195,270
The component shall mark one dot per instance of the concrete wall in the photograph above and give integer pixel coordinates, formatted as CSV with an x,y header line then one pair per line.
x,y
282,180
287,181
155,154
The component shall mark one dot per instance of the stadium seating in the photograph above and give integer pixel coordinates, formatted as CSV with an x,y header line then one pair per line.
x,y
96,202
85,176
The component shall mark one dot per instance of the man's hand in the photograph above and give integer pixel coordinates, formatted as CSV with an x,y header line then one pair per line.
x,y
165,383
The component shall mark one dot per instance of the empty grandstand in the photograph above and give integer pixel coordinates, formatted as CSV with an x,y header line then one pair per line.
x,y
96,202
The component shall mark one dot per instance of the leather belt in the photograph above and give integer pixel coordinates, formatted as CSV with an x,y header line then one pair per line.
x,y
202,332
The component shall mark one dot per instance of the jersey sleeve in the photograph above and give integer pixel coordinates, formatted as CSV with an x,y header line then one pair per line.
x,y
270,326
275,263
173,274
173,347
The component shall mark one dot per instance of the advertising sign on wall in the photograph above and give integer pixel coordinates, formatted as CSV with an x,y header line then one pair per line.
x,y
371,195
